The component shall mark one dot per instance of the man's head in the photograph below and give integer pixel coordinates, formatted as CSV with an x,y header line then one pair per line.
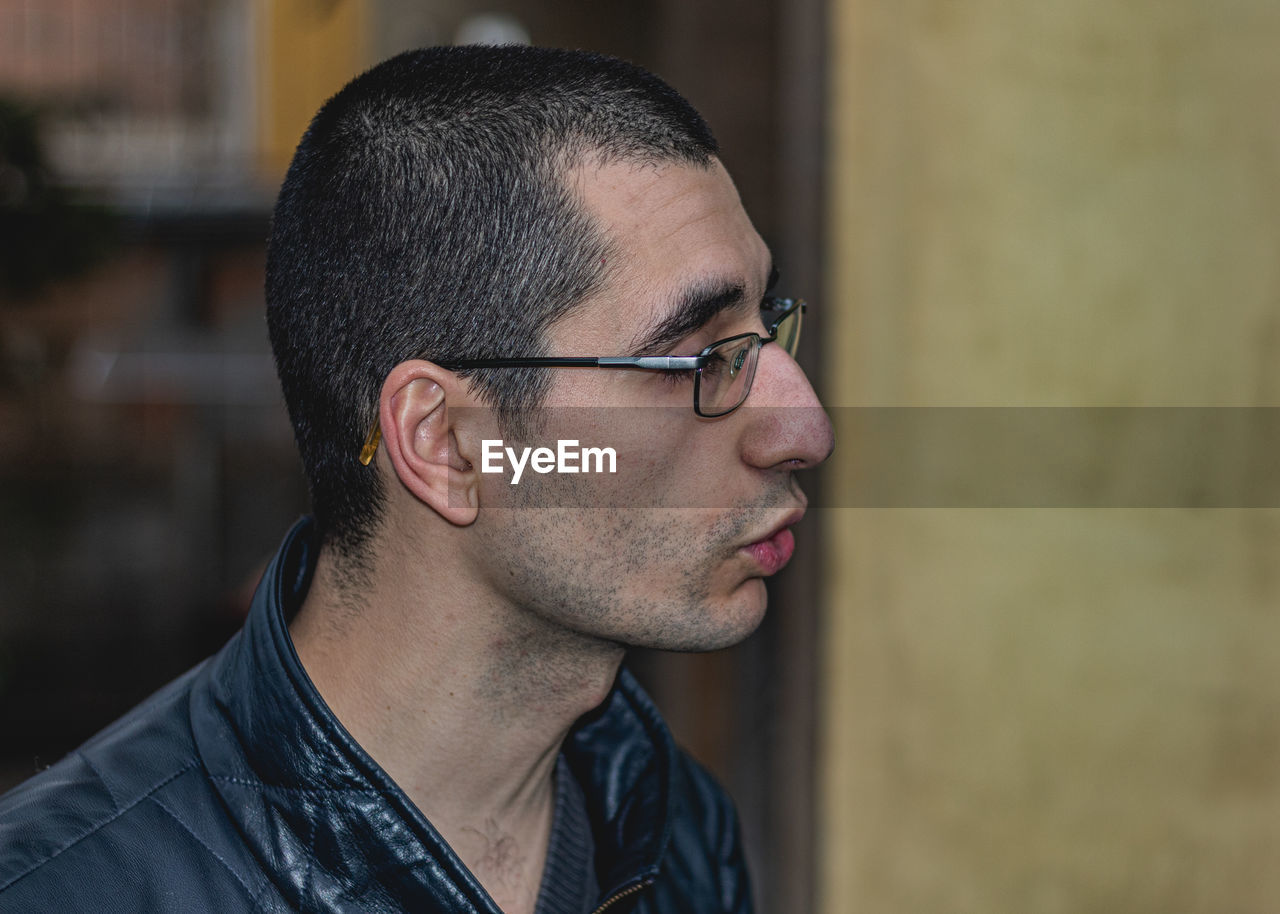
x,y
499,203
429,213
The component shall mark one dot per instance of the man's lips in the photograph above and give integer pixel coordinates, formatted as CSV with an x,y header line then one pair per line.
x,y
772,552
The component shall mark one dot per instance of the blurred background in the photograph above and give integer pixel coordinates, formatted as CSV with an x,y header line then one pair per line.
x,y
1064,204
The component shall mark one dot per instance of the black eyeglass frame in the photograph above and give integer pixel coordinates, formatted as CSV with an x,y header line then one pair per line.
x,y
781,308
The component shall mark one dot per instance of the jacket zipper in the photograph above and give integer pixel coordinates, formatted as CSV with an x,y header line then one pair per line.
x,y
608,902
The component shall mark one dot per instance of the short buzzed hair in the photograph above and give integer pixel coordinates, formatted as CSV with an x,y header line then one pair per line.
x,y
427,213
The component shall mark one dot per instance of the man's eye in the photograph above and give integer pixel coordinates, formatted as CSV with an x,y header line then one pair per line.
x,y
726,361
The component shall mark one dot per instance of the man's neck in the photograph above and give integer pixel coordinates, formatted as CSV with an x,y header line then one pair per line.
x,y
464,702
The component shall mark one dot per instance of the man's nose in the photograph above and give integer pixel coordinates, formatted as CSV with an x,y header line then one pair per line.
x,y
787,425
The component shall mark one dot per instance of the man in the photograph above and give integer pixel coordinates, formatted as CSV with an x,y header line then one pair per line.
x,y
424,711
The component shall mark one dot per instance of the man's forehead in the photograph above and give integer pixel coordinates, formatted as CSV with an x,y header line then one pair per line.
x,y
626,197
679,240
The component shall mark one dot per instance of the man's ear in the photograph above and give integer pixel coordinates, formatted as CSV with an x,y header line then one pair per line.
x,y
419,438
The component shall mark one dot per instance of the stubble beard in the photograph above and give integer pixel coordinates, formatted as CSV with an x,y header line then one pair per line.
x,y
665,578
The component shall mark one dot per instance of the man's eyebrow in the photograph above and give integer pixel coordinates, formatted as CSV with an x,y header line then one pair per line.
x,y
694,308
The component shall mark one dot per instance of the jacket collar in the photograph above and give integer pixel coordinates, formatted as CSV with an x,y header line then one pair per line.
x,y
328,823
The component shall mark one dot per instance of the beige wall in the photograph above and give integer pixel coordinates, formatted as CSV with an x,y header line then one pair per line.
x,y
1053,710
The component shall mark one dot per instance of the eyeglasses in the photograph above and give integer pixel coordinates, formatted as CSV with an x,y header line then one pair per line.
x,y
722,373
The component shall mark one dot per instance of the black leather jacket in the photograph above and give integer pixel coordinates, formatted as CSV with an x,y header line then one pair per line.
x,y
236,789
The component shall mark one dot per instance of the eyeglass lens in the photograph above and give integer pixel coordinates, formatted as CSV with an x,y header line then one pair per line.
x,y
725,379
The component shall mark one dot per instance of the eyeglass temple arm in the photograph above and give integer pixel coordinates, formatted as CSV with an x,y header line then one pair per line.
x,y
657,363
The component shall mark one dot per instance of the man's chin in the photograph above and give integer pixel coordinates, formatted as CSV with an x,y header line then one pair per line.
x,y
719,626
